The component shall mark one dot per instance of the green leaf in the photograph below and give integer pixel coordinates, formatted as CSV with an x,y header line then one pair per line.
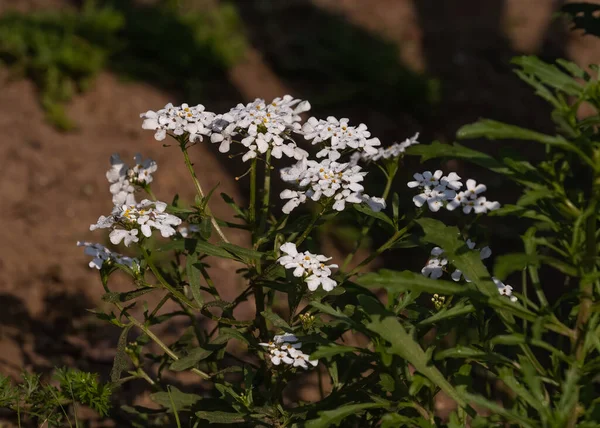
x,y
519,339
193,277
513,262
334,417
242,254
406,280
181,400
378,215
500,410
190,360
459,310
457,252
275,319
389,328
331,351
492,130
114,297
456,151
219,417
549,74
229,201
121,360
395,208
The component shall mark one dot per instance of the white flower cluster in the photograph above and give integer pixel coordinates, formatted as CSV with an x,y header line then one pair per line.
x,y
124,180
338,136
286,349
310,267
327,178
438,262
259,125
438,191
100,255
178,120
126,221
390,152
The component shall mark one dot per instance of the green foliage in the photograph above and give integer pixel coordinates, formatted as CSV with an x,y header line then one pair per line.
x,y
63,51
55,405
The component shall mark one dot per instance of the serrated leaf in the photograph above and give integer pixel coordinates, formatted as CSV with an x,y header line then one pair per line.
x,y
459,310
334,417
218,417
121,360
180,399
549,74
386,325
190,360
331,351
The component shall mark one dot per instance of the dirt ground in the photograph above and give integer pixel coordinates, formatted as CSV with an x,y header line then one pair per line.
x,y
52,185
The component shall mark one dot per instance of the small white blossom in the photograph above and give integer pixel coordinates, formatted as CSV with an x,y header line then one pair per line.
x,y
436,264
127,220
100,255
124,181
177,121
394,151
337,135
310,267
301,359
324,179
286,349
438,191
186,231
505,289
375,203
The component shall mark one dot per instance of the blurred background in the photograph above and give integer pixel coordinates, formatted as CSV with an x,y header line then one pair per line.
x,y
75,75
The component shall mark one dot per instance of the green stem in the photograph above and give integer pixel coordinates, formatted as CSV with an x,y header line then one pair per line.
x,y
370,222
190,168
252,207
156,340
162,279
397,235
264,215
259,300
310,226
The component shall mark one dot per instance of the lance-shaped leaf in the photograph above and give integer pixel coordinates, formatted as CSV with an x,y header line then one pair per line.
x,y
406,280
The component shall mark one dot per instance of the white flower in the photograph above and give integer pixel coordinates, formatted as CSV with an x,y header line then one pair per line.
x,y
100,255
125,181
324,179
375,203
189,230
434,268
127,236
279,356
310,267
301,359
127,220
393,151
337,136
286,349
451,181
438,191
474,189
426,180
178,121
504,290
261,126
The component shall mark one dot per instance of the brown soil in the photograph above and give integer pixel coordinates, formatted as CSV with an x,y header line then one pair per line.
x,y
52,185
